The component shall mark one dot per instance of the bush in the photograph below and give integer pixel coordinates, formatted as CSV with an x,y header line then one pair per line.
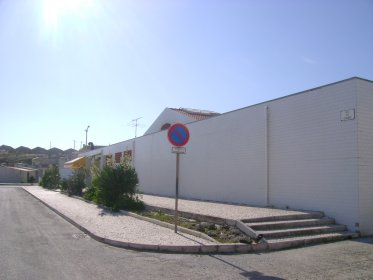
x,y
76,183
115,187
51,178
90,194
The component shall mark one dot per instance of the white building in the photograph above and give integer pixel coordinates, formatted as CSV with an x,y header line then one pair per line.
x,y
312,150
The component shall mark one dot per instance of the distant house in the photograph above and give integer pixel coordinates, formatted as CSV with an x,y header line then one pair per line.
x,y
17,174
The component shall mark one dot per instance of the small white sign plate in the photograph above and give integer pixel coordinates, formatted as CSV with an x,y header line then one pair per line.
x,y
178,150
348,115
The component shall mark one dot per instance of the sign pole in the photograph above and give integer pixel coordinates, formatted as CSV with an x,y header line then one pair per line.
x,y
178,135
176,216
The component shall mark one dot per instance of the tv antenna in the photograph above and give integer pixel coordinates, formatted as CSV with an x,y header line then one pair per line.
x,y
135,124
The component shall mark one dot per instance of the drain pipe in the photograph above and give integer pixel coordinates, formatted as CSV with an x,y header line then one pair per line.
x,y
134,153
266,151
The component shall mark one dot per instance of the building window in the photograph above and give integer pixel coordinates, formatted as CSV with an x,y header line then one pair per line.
x,y
109,159
127,154
118,157
165,126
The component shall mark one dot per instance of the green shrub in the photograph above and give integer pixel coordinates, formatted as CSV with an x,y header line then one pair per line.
x,y
116,187
51,178
90,194
76,183
64,184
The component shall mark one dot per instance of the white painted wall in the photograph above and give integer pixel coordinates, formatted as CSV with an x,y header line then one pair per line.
x,y
316,161
313,154
225,158
9,175
365,159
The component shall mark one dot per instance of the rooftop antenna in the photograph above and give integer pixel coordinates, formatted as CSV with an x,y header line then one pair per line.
x,y
135,124
86,134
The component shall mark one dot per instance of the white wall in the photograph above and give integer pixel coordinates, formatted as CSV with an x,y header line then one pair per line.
x,y
365,162
316,161
313,154
155,164
225,158
9,175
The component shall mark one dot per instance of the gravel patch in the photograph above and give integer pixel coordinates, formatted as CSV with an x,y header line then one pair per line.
x,y
222,210
115,226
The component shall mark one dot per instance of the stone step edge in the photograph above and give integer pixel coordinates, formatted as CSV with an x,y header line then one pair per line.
x,y
187,249
300,216
291,223
302,231
279,244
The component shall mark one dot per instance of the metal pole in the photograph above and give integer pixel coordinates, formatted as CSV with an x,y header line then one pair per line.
x,y
86,135
267,153
176,216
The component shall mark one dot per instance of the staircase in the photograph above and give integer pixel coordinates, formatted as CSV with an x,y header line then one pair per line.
x,y
298,230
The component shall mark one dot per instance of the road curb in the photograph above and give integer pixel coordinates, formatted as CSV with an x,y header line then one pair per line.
x,y
183,249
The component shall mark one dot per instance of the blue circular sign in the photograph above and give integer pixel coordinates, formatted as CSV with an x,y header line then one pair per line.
x,y
178,135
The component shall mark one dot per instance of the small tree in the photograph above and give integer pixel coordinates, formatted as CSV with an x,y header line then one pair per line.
x,y
51,178
76,183
116,187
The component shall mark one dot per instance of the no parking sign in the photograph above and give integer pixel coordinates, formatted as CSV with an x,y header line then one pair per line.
x,y
178,135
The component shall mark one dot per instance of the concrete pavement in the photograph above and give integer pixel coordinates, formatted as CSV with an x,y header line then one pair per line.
x,y
35,243
128,231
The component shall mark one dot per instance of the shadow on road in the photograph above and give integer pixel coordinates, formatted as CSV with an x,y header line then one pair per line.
x,y
248,274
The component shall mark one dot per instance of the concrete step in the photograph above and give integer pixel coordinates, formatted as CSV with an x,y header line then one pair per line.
x,y
291,242
300,216
272,225
268,234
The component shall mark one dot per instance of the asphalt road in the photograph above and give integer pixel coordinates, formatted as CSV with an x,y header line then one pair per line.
x,y
35,243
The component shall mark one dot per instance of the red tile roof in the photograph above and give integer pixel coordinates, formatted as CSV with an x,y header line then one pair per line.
x,y
196,114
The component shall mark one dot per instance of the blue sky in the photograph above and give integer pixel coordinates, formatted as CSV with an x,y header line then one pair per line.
x,y
66,64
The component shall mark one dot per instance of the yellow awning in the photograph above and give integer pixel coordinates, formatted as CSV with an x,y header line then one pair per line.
x,y
75,163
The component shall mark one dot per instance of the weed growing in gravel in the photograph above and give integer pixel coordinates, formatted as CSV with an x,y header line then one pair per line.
x,y
221,233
